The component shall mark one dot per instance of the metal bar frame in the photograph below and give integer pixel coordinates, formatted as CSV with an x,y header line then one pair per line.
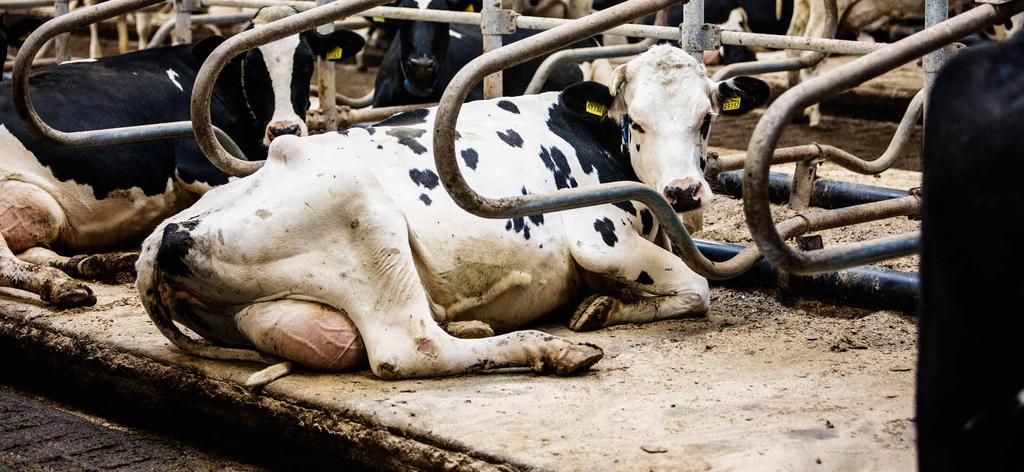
x,y
22,97
770,127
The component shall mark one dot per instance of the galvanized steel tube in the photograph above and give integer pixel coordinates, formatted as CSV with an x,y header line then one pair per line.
x,y
769,128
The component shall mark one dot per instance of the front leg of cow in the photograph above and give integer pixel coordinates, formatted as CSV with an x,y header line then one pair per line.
x,y
112,267
658,284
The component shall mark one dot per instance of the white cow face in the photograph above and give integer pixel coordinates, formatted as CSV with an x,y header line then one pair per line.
x,y
666,104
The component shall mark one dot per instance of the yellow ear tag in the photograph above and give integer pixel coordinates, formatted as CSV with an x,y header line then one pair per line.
x,y
595,108
470,8
731,103
377,19
334,54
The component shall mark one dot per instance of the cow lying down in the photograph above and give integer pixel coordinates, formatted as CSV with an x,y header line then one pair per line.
x,y
350,235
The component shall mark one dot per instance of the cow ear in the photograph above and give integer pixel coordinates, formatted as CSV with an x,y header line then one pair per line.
x,y
587,100
205,47
19,31
741,94
337,46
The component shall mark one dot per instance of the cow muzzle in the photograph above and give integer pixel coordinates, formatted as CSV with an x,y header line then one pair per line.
x,y
281,128
684,194
422,68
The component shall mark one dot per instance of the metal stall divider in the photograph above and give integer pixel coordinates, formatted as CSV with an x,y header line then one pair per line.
x,y
769,129
23,99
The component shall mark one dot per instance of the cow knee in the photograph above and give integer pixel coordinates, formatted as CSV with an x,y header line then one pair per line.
x,y
29,216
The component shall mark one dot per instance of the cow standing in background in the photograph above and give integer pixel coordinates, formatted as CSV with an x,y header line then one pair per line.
x,y
424,57
83,199
355,227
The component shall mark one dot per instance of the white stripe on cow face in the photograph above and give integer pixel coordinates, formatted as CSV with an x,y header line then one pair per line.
x,y
279,57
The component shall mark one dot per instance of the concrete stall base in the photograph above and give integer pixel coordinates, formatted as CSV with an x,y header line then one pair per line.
x,y
760,382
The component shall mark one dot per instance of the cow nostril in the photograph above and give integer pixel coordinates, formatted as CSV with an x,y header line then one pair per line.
x,y
277,131
683,199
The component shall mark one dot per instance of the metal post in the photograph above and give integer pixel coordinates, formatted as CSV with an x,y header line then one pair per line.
x,y
325,80
183,21
935,12
803,183
492,40
693,18
60,7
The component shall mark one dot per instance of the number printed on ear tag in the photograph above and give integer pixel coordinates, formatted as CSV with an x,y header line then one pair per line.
x,y
334,54
731,103
595,108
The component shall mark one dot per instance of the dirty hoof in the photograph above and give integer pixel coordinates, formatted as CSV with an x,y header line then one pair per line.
x,y
592,313
110,268
571,359
469,329
68,294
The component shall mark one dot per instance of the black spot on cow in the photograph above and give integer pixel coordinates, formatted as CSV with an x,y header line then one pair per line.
x,y
508,106
508,225
626,206
471,157
518,225
343,132
425,199
458,135
598,145
511,138
409,137
607,230
408,118
371,130
537,220
646,221
380,147
424,178
644,278
636,127
637,146
556,162
174,246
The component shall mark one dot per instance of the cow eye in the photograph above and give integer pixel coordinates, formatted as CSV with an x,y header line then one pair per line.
x,y
705,127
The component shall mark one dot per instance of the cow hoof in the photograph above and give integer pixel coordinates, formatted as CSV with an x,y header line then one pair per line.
x,y
469,329
571,359
111,268
68,294
592,313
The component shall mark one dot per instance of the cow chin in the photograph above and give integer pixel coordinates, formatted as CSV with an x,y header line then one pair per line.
x,y
693,220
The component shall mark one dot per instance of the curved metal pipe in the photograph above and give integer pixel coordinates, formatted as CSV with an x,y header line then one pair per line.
x,y
769,129
547,67
897,146
165,29
807,59
34,123
202,90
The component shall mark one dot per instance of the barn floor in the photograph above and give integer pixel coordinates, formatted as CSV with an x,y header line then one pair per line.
x,y
762,381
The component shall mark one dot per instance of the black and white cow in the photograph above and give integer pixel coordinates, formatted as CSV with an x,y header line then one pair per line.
x,y
76,200
15,34
354,227
425,56
970,394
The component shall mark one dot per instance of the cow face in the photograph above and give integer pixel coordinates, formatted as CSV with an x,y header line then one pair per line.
x,y
666,104
423,45
276,76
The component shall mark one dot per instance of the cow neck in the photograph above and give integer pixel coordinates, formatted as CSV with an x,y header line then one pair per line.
x,y
598,144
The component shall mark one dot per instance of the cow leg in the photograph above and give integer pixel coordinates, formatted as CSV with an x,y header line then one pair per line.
x,y
391,308
30,217
122,34
142,26
95,50
658,284
114,267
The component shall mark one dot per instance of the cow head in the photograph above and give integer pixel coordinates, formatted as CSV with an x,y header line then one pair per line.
x,y
665,105
16,34
275,76
423,45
